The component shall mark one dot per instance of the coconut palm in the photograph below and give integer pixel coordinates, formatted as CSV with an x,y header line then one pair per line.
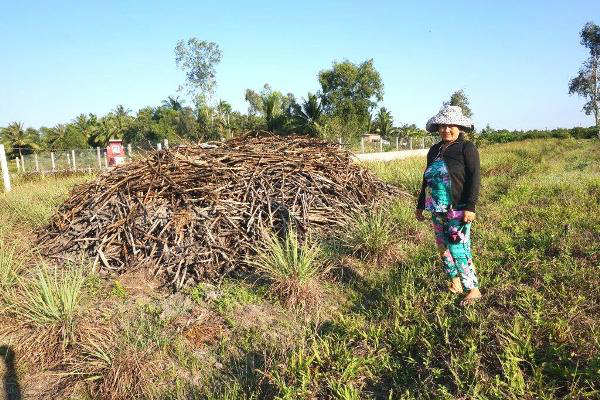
x,y
308,115
384,122
173,103
224,112
271,105
15,136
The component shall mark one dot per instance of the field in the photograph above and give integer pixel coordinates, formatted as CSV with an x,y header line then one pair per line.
x,y
375,321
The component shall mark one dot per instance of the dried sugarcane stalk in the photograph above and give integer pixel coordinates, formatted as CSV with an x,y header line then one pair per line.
x,y
194,212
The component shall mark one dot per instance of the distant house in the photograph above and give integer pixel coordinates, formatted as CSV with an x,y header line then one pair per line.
x,y
371,137
374,138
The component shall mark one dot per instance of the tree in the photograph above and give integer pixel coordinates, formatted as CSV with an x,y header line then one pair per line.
x,y
17,138
272,105
224,113
384,122
587,82
410,130
351,91
112,126
198,58
459,98
307,115
173,103
186,124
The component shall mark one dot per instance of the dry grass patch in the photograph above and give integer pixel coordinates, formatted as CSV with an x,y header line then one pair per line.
x,y
206,331
114,368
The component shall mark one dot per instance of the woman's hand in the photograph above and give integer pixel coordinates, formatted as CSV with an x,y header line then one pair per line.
x,y
419,215
469,217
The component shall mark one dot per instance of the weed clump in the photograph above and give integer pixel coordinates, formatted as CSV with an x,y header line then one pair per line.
x,y
369,236
9,264
291,266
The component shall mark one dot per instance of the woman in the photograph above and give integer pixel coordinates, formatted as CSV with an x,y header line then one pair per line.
x,y
449,191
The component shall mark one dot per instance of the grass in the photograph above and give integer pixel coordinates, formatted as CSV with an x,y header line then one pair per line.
x,y
292,266
51,297
9,264
393,331
369,235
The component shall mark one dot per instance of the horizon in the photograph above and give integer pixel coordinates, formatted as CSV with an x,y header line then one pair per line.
x,y
513,61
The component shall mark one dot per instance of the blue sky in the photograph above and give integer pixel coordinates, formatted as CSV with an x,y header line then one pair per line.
x,y
513,58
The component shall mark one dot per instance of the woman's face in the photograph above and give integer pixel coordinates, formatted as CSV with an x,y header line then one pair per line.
x,y
448,133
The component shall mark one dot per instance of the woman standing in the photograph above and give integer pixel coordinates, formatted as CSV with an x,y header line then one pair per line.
x,y
449,191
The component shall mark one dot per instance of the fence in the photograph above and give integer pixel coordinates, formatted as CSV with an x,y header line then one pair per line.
x,y
95,159
394,144
75,160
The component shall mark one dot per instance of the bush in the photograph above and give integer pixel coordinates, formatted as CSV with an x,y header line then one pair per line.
x,y
489,135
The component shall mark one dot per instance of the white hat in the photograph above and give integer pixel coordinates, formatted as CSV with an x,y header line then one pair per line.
x,y
449,115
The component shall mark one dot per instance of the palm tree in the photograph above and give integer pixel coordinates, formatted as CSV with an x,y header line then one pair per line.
x,y
173,103
85,126
308,115
18,138
270,105
384,122
56,137
224,111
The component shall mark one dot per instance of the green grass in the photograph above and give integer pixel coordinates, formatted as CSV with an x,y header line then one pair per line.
x,y
52,297
369,235
291,265
390,330
9,264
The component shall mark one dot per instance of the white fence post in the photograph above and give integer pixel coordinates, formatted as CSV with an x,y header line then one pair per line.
x,y
410,142
37,163
397,145
52,161
17,160
73,156
422,142
22,163
129,150
380,144
4,167
159,146
166,143
99,158
362,144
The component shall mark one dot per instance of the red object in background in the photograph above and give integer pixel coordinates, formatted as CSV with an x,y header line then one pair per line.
x,y
115,152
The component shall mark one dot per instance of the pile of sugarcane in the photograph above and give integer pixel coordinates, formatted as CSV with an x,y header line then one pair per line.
x,y
198,212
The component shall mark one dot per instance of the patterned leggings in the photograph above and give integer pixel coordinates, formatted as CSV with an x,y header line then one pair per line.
x,y
452,234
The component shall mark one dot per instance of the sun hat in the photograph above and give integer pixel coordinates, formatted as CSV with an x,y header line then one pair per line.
x,y
449,115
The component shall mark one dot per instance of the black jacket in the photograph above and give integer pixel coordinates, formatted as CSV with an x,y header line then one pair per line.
x,y
462,160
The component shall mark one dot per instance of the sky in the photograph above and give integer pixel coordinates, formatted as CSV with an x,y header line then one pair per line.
x,y
513,59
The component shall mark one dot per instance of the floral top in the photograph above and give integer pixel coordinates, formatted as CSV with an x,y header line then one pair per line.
x,y
438,194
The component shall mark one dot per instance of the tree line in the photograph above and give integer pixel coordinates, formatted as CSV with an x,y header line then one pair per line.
x,y
343,108
346,106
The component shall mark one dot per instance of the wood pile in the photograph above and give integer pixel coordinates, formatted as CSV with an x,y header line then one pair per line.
x,y
198,212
